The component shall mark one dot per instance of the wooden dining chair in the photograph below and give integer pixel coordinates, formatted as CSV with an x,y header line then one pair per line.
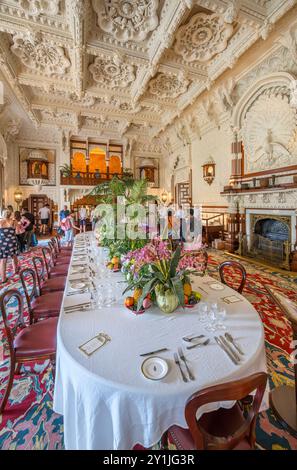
x,y
63,249
46,285
223,429
58,251
25,343
58,259
283,399
40,306
237,266
52,270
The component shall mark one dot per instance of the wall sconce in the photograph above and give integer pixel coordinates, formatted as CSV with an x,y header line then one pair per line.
x,y
18,197
164,197
209,170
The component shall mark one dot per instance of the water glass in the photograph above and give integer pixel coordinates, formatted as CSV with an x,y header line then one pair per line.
x,y
203,310
221,316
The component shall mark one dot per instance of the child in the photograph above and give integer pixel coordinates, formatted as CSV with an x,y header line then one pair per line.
x,y
68,226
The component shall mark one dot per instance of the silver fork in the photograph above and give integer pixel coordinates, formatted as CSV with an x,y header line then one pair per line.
x,y
182,356
176,360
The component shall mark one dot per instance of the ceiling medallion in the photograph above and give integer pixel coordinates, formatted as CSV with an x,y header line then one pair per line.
x,y
40,55
168,86
112,72
127,20
40,7
203,37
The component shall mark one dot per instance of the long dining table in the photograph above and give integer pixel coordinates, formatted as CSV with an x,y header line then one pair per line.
x,y
106,401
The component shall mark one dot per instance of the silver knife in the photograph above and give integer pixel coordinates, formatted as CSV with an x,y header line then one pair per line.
x,y
225,350
153,352
234,354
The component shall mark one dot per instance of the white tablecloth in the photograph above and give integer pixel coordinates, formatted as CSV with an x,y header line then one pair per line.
x,y
106,401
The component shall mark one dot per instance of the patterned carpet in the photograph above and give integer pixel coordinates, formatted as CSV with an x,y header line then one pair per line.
x,y
30,423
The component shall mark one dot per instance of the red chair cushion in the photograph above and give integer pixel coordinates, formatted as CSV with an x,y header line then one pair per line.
x,y
37,340
48,305
61,261
54,285
58,271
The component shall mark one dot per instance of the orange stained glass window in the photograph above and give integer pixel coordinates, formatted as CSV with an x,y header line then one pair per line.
x,y
97,161
79,162
115,165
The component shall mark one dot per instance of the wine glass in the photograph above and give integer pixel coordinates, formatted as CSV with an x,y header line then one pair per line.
x,y
221,316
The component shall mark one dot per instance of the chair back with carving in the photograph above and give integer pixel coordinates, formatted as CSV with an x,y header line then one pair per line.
x,y
232,391
237,266
26,275
40,269
12,326
48,259
55,245
53,251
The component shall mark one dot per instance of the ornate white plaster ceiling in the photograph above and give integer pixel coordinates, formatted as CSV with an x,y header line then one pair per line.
x,y
123,67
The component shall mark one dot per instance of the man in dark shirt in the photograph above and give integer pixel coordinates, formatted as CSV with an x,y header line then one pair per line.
x,y
30,228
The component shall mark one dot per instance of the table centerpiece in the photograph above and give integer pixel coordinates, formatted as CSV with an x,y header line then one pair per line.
x,y
157,273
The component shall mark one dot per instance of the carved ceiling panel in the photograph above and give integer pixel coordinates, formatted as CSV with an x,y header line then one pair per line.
x,y
203,37
127,20
136,62
168,86
112,72
40,55
40,7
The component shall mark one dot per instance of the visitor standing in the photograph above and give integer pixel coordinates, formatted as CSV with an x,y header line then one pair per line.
x,y
83,218
21,224
44,214
68,226
8,244
30,228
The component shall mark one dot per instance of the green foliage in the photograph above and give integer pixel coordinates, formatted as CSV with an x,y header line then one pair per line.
x,y
66,170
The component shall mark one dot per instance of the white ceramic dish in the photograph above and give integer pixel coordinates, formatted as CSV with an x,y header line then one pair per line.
x,y
154,368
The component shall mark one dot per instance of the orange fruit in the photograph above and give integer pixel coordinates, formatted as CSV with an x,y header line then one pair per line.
x,y
187,289
116,266
129,301
186,300
115,260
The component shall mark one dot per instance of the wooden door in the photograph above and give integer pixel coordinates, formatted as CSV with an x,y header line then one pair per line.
x,y
35,203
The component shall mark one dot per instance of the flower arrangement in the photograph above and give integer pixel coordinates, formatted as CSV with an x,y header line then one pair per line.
x,y
159,274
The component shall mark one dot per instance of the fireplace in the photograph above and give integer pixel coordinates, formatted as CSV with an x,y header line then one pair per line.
x,y
274,230
269,238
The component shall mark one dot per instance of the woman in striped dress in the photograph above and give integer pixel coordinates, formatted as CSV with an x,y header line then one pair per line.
x,y
8,244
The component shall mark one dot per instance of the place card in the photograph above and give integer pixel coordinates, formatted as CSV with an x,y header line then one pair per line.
x,y
91,346
231,299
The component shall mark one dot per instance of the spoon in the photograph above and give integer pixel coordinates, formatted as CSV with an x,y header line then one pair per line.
x,y
231,340
199,344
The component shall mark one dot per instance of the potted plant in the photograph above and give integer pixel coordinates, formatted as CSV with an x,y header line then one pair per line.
x,y
166,279
66,170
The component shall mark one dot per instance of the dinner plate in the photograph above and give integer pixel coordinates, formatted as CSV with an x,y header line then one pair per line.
x,y
78,286
154,368
216,286
77,270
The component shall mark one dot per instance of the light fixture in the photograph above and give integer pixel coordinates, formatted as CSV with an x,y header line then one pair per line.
x,y
164,197
209,171
18,197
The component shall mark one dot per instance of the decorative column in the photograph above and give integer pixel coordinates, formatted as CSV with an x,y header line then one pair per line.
x,y
242,230
237,159
231,241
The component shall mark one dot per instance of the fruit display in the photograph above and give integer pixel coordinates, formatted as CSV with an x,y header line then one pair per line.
x,y
114,264
192,299
132,301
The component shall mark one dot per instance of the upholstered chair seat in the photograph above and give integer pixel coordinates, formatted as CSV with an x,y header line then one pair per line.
x,y
47,305
37,340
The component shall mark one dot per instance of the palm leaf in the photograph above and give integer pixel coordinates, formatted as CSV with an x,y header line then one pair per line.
x,y
175,261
